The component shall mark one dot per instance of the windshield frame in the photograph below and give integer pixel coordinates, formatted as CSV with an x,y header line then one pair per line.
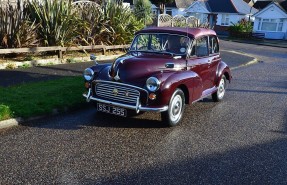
x,y
162,51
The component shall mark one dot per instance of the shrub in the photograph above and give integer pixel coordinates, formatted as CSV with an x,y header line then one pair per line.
x,y
242,26
110,24
15,28
11,66
59,24
142,11
5,112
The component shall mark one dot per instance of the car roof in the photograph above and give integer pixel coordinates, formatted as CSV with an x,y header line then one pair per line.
x,y
191,32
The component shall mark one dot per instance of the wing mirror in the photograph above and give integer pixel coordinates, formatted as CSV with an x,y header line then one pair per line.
x,y
93,58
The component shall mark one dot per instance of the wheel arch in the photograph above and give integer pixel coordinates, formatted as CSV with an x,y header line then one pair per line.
x,y
185,91
189,82
223,69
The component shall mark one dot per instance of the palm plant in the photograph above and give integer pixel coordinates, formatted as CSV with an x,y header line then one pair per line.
x,y
15,28
110,24
59,24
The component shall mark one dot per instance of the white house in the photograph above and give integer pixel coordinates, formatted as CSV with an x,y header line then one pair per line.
x,y
220,13
177,7
272,21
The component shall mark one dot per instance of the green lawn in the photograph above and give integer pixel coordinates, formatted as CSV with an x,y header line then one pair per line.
x,y
34,99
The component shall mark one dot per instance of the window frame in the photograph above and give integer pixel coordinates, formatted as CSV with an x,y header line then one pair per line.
x,y
224,18
194,46
168,10
279,24
210,37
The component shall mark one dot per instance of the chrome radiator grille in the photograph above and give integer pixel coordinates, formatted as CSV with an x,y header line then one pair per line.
x,y
117,92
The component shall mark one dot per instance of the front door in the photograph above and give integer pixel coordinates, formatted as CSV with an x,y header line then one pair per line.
x,y
199,61
214,57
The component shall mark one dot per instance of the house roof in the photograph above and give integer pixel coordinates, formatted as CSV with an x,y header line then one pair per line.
x,y
227,6
205,4
243,7
183,3
231,6
262,4
284,9
180,3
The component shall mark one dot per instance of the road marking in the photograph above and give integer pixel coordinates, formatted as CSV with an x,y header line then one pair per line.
x,y
238,52
254,61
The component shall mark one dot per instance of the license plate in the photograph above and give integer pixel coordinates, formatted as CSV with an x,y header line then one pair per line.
x,y
111,109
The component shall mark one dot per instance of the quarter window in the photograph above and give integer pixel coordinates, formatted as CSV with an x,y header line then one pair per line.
x,y
201,48
213,45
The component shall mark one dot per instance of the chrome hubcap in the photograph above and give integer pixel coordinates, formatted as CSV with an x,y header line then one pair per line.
x,y
176,107
221,89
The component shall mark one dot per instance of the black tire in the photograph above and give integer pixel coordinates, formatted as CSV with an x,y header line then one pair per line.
x,y
173,115
219,94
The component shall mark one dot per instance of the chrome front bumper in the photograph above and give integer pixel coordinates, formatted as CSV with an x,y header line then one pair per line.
x,y
137,108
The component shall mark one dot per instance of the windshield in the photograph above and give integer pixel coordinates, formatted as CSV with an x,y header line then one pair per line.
x,y
152,42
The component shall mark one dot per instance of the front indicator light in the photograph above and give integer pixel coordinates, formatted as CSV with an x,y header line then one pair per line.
x,y
152,96
87,85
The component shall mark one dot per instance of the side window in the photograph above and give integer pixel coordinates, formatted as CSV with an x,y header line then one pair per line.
x,y
201,48
213,45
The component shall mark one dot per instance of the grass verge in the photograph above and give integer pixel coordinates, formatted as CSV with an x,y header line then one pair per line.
x,y
40,98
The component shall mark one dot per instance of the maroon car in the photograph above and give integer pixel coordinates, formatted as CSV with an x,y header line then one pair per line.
x,y
164,69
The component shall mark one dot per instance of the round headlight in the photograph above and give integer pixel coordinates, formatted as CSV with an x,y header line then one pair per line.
x,y
88,74
152,84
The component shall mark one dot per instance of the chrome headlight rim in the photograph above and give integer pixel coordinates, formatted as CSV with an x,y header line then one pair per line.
x,y
88,74
152,84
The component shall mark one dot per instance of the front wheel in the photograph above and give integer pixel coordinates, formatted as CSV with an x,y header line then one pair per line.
x,y
176,106
219,94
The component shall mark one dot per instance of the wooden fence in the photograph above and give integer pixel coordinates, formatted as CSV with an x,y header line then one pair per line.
x,y
60,49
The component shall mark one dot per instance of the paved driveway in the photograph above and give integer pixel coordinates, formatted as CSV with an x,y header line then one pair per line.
x,y
242,140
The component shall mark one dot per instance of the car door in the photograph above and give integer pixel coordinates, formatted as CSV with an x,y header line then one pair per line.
x,y
199,61
214,57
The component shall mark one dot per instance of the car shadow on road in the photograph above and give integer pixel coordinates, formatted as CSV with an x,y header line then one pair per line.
x,y
73,120
284,130
143,120
263,163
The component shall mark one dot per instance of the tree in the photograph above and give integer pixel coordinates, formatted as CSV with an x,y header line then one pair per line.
x,y
142,10
161,4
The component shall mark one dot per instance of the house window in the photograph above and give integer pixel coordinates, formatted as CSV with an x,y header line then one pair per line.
x,y
270,24
225,20
168,11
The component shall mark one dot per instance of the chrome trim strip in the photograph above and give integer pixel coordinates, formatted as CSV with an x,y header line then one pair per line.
x,y
89,95
201,98
122,84
137,108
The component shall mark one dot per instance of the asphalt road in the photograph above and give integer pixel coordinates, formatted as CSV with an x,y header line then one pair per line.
x,y
40,73
242,140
